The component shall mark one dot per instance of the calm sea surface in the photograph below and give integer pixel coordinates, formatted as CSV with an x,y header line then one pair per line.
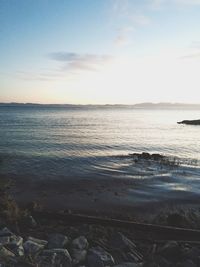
x,y
58,143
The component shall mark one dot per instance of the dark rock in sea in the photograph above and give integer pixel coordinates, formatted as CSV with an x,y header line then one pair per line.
x,y
147,156
189,122
98,257
57,241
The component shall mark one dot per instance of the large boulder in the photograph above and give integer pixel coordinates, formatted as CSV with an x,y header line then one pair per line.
x,y
79,249
55,258
57,241
33,246
98,257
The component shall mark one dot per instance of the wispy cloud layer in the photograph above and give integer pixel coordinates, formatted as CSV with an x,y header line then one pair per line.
x,y
132,15
123,37
77,62
193,52
70,65
162,3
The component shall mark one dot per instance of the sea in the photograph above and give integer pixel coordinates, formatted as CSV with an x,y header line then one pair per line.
x,y
56,143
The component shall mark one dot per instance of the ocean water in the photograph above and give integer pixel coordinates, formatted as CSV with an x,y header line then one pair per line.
x,y
62,143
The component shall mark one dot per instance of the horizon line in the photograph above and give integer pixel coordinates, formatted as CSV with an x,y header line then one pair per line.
x,y
107,104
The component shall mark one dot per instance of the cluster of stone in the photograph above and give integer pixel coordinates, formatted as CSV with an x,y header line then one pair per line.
x,y
58,250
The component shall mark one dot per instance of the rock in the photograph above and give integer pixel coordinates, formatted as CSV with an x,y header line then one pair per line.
x,y
57,241
147,156
4,240
80,243
5,232
192,253
5,253
55,258
98,257
176,219
157,261
157,156
189,122
16,240
129,264
5,235
119,241
170,251
187,263
19,251
38,241
29,221
162,262
32,248
78,256
79,249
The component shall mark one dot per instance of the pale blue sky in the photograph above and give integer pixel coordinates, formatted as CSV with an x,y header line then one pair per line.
x,y
99,51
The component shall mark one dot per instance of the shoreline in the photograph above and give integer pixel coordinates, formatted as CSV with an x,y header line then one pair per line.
x,y
94,197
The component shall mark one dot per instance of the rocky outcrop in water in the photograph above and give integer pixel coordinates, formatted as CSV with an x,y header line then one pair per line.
x,y
189,122
147,156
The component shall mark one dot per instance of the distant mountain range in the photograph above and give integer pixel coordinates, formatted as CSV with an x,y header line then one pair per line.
x,y
146,105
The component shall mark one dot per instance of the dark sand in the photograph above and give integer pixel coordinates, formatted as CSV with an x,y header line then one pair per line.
x,y
102,197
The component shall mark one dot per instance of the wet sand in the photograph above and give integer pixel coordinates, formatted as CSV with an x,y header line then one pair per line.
x,y
102,197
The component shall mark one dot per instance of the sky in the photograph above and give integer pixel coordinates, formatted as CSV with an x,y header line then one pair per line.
x,y
100,51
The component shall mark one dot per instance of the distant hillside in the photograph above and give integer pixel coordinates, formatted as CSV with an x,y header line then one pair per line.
x,y
166,106
146,105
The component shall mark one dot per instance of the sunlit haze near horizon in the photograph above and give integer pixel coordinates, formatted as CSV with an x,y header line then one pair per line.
x,y
100,51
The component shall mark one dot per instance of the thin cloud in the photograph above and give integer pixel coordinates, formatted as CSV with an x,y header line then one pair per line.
x,y
193,52
124,36
38,76
71,64
191,56
161,3
77,62
140,19
187,2
122,40
195,45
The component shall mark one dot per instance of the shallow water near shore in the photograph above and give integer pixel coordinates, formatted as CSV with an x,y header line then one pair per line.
x,y
48,143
